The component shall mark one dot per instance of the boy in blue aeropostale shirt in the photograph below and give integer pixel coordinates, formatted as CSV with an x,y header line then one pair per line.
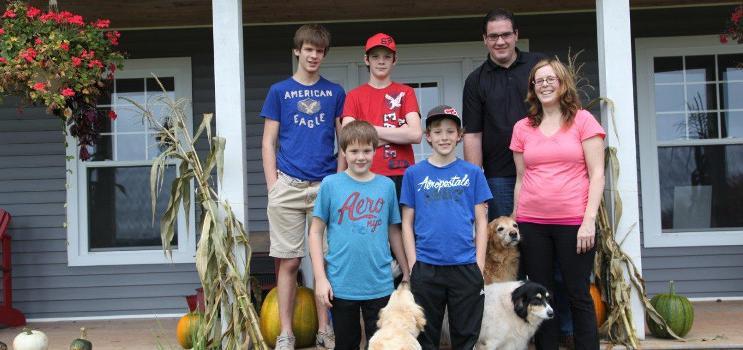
x,y
443,199
360,211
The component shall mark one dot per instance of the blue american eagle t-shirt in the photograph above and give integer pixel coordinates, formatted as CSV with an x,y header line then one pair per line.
x,y
306,116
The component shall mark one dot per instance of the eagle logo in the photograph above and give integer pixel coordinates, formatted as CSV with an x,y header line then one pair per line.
x,y
308,106
395,102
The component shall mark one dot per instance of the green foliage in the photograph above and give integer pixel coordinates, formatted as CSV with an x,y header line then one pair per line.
x,y
49,57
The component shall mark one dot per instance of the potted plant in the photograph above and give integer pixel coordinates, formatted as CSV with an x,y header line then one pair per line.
x,y
734,26
58,60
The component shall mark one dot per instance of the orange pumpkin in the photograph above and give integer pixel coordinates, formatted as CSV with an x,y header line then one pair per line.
x,y
598,305
304,323
187,327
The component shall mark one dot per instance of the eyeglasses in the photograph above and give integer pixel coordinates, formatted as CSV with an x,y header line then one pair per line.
x,y
496,36
549,80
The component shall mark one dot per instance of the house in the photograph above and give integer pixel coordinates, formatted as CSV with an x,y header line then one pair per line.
x,y
679,121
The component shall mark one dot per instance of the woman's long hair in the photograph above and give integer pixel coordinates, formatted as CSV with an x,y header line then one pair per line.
x,y
567,92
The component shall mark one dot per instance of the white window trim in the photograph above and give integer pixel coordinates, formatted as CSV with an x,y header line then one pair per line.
x,y
645,50
78,253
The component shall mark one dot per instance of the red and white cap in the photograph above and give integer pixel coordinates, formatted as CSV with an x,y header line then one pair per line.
x,y
380,39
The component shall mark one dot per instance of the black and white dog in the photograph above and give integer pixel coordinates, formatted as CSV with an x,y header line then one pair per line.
x,y
513,313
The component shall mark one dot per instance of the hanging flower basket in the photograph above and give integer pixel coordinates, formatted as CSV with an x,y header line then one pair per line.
x,y
734,27
57,60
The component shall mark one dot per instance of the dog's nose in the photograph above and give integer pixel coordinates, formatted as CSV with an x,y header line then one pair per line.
x,y
550,313
513,234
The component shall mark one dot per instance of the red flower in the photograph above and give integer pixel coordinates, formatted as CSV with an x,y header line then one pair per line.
x,y
113,37
95,63
32,12
40,87
737,15
64,46
2,31
102,23
38,41
87,54
112,115
9,14
3,60
29,54
67,92
76,20
49,16
76,61
723,38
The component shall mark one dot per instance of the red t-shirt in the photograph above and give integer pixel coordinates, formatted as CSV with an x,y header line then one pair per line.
x,y
384,107
554,187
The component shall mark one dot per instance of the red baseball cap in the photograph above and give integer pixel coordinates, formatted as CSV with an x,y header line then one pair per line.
x,y
381,39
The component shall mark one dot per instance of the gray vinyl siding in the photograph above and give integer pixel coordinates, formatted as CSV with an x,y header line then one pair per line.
x,y
32,184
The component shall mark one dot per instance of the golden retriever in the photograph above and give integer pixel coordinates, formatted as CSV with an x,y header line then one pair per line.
x,y
502,257
399,322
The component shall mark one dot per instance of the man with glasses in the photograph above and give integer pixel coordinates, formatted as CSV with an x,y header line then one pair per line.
x,y
493,101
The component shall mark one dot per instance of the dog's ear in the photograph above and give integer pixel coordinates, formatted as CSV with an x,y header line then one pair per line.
x,y
520,305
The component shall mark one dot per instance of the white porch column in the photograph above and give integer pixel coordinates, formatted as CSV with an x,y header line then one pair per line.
x,y
615,71
229,100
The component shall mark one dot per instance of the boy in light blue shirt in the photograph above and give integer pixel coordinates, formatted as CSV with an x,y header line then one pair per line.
x,y
360,211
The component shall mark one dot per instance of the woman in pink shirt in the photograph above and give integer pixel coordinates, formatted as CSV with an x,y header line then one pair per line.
x,y
559,154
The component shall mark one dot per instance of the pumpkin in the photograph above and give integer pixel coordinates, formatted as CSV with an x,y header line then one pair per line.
x,y
187,327
675,309
598,305
31,340
81,343
304,323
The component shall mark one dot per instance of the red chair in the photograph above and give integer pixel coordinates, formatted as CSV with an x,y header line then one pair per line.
x,y
9,317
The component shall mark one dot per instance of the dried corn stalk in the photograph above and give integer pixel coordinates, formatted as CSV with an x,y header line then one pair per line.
x,y
225,283
613,267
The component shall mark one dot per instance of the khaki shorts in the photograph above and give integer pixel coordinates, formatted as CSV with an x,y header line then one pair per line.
x,y
290,205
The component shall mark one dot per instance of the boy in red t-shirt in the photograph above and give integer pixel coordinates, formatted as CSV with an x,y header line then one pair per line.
x,y
390,107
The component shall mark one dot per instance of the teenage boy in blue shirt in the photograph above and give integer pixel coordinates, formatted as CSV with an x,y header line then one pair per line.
x,y
301,118
443,199
360,211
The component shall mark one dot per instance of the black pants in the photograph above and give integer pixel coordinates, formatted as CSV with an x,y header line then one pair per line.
x,y
346,322
460,288
540,246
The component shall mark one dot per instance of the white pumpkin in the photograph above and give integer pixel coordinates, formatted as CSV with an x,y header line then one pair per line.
x,y
31,340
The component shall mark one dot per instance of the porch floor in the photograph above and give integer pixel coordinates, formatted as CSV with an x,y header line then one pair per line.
x,y
715,327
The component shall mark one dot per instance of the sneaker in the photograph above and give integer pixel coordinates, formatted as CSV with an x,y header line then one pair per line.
x,y
284,342
325,340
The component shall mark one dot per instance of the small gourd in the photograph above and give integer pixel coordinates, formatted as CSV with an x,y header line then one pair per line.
x,y
598,305
186,330
81,343
31,340
675,309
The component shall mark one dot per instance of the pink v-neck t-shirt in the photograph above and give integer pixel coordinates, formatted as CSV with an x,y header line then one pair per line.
x,y
554,187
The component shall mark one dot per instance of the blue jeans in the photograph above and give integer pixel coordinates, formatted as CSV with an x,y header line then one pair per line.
x,y
502,202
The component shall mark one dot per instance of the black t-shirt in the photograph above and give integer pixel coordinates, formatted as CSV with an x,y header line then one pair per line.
x,y
493,101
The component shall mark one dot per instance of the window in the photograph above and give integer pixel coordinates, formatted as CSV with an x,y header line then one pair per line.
x,y
691,141
109,207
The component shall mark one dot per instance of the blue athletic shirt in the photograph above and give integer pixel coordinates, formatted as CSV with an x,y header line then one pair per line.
x,y
444,200
306,116
358,215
